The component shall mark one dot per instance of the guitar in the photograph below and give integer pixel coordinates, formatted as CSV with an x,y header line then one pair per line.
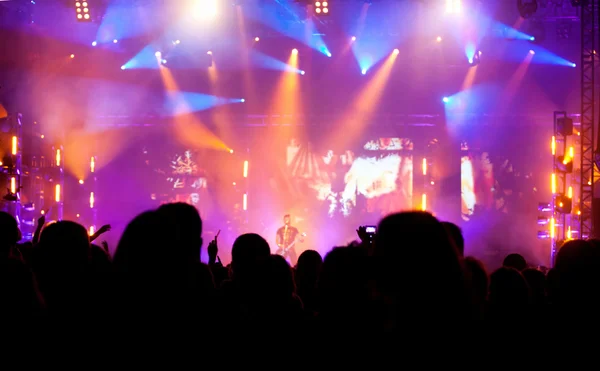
x,y
284,251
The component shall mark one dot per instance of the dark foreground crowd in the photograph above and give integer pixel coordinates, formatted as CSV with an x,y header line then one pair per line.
x,y
411,277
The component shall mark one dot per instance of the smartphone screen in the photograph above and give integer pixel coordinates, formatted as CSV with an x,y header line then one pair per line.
x,y
371,229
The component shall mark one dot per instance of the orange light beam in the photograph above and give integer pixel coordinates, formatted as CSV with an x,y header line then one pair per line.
x,y
248,81
365,103
188,129
469,78
515,81
287,96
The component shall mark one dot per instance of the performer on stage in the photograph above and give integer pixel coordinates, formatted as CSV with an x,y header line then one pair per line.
x,y
286,239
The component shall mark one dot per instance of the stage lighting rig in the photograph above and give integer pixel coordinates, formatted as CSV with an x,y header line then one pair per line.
x,y
563,204
82,11
475,60
321,7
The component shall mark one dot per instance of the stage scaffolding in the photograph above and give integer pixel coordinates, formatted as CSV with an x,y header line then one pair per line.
x,y
320,120
589,47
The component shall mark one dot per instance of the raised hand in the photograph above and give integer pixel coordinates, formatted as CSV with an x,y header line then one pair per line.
x,y
213,250
105,228
362,234
41,220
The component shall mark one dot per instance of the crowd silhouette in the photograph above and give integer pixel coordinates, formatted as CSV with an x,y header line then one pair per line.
x,y
412,274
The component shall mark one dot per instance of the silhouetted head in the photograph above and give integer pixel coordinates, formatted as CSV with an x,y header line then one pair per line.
x,y
308,270
9,233
189,225
576,254
456,235
65,241
516,261
508,288
273,280
418,264
287,219
576,272
146,244
344,281
479,278
536,280
309,263
246,251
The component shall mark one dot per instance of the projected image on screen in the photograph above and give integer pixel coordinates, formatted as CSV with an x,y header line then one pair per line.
x,y
182,178
377,178
477,182
491,184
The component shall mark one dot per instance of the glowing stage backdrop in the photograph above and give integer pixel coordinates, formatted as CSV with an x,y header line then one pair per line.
x,y
490,183
375,179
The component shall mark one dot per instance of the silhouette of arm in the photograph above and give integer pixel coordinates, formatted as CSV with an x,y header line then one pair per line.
x,y
38,229
100,232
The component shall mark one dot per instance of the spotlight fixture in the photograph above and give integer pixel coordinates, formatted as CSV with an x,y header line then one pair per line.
x,y
82,11
475,60
564,164
453,6
563,204
321,7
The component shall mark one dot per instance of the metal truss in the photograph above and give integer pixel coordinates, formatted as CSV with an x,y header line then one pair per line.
x,y
589,46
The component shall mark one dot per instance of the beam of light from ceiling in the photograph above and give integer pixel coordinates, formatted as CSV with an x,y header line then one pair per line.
x,y
356,119
267,62
287,98
107,99
289,24
124,21
219,113
368,51
183,103
467,27
469,78
187,127
368,48
249,86
519,49
514,83
144,59
510,33
475,100
82,144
